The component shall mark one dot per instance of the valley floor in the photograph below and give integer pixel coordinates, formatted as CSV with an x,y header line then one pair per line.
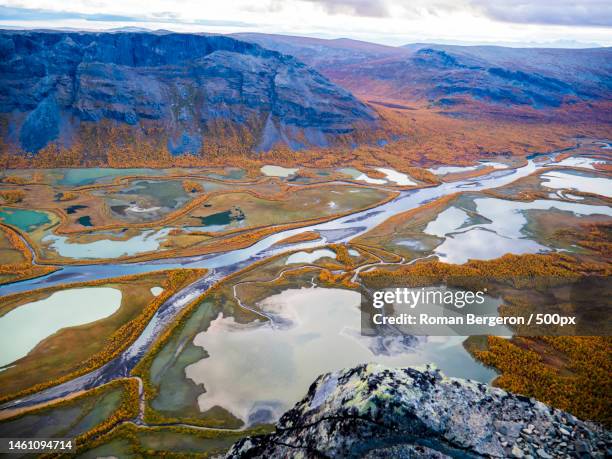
x,y
179,310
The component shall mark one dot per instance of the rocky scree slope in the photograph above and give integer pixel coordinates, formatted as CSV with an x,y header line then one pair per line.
x,y
372,411
51,83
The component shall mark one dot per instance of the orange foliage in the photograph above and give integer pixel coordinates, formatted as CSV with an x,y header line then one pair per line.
x,y
301,237
569,372
191,186
12,196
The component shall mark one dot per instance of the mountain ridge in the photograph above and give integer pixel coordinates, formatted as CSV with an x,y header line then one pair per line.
x,y
468,80
179,83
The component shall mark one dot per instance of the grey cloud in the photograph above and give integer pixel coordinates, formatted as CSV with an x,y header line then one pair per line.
x,y
370,8
595,13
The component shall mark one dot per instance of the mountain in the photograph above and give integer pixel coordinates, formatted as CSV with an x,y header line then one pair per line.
x,y
188,90
463,80
324,54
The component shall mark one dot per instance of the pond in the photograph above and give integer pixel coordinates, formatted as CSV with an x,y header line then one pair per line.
x,y
160,193
310,257
85,220
73,209
579,161
278,171
42,318
230,174
576,181
258,370
360,176
499,228
88,176
24,219
397,177
222,218
147,241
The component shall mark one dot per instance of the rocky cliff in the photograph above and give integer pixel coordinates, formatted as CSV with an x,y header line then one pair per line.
x,y
54,83
377,412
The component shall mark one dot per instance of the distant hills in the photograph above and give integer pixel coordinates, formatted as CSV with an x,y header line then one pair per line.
x,y
193,89
463,80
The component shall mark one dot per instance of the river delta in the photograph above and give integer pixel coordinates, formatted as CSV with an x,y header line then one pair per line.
x,y
239,321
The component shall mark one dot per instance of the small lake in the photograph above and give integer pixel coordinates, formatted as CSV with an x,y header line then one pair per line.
x,y
147,241
579,161
398,178
85,220
360,176
575,181
88,176
24,219
22,328
278,171
310,257
161,193
74,209
230,174
258,370
499,230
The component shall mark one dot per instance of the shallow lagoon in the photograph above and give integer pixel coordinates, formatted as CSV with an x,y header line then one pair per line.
x,y
579,161
394,176
146,241
88,176
307,258
361,177
258,370
24,219
278,171
163,193
42,318
499,233
575,181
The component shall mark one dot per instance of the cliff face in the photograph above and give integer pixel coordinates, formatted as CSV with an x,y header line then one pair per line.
x,y
377,412
51,83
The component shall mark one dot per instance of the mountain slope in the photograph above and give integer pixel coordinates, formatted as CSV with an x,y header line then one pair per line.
x,y
189,90
461,80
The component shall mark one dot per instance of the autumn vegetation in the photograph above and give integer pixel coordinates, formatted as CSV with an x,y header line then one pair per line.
x,y
19,266
67,196
417,136
568,372
12,196
514,270
595,237
305,236
191,186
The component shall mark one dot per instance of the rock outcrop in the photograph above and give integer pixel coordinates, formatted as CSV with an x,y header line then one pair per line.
x,y
377,412
180,84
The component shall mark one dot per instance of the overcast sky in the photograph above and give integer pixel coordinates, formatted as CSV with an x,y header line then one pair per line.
x,y
393,22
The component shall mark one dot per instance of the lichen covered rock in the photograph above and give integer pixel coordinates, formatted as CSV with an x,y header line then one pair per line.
x,y
377,412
